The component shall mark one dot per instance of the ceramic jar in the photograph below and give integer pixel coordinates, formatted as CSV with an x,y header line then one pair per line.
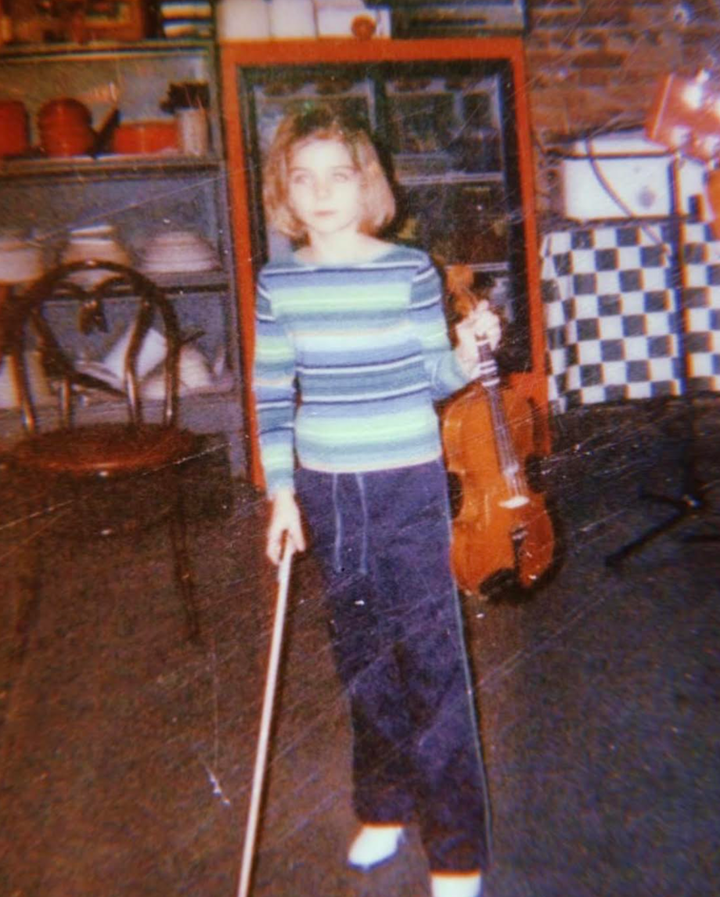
x,y
65,128
13,128
145,137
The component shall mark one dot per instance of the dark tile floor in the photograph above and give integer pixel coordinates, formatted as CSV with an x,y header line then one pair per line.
x,y
126,752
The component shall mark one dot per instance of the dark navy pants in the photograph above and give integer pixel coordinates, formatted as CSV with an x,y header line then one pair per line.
x,y
382,539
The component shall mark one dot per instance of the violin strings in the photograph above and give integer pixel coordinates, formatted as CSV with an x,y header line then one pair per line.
x,y
490,379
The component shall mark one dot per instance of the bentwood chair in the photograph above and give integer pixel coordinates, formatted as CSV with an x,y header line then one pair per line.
x,y
87,457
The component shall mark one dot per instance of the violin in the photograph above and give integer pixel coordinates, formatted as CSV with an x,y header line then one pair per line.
x,y
502,534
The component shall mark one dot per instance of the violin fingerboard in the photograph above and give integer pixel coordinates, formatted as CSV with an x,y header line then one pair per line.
x,y
488,370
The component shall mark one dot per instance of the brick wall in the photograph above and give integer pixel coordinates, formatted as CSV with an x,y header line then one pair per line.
x,y
594,65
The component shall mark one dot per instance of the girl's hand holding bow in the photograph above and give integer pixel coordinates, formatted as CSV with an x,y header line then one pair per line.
x,y
284,521
480,324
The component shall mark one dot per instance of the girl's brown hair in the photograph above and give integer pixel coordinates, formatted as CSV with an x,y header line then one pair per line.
x,y
323,123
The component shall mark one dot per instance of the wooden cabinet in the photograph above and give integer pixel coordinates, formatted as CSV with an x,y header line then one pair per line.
x,y
138,197
451,119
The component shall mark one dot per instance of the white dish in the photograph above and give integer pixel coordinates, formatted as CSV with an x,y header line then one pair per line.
x,y
194,374
151,353
20,261
98,370
187,266
193,370
177,251
95,243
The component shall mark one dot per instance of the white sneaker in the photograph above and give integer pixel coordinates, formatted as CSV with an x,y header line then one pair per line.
x,y
446,884
374,844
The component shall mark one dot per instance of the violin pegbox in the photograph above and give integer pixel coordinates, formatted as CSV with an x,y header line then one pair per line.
x,y
464,296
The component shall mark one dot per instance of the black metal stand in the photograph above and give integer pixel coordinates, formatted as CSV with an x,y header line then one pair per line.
x,y
693,502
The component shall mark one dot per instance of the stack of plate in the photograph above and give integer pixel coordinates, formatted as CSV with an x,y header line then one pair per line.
x,y
186,18
20,260
178,251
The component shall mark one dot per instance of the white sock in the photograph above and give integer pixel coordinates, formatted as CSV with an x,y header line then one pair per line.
x,y
373,844
458,884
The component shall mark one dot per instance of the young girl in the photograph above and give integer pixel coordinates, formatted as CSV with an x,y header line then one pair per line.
x,y
357,324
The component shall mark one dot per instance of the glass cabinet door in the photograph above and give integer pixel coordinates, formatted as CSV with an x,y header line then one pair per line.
x,y
451,121
272,95
446,135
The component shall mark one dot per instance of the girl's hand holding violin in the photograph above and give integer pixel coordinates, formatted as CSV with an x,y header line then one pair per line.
x,y
285,519
479,324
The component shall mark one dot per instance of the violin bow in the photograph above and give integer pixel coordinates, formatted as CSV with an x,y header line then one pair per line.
x,y
265,722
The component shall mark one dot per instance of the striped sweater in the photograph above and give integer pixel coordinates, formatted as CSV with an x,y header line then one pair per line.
x,y
367,345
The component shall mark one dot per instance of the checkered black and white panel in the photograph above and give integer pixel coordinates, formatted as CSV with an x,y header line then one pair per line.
x,y
611,317
702,301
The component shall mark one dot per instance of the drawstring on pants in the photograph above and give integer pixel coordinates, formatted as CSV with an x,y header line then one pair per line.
x,y
339,534
363,502
337,563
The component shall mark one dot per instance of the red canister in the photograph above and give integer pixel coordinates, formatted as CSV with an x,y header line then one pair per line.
x,y
146,137
13,128
64,127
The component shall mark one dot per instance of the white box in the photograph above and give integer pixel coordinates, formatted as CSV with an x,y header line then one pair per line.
x,y
625,175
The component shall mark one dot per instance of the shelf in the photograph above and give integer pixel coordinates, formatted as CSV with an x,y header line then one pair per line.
x,y
87,166
71,52
173,283
490,267
200,282
450,178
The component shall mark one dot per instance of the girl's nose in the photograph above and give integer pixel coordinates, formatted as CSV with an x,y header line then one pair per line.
x,y
322,188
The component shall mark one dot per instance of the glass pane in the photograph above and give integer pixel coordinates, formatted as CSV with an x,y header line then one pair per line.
x,y
281,94
457,223
276,94
442,124
447,131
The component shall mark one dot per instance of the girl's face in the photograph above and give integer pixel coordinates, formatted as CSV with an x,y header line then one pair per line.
x,y
324,188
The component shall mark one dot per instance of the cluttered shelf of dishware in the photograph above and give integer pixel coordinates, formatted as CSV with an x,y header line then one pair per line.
x,y
150,105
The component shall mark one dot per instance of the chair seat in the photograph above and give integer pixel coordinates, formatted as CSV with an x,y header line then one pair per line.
x,y
64,462
109,449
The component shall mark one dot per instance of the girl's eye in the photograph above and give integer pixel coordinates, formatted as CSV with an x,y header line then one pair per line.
x,y
341,177
299,177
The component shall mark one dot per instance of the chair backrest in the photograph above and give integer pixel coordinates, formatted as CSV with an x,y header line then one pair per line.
x,y
88,285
